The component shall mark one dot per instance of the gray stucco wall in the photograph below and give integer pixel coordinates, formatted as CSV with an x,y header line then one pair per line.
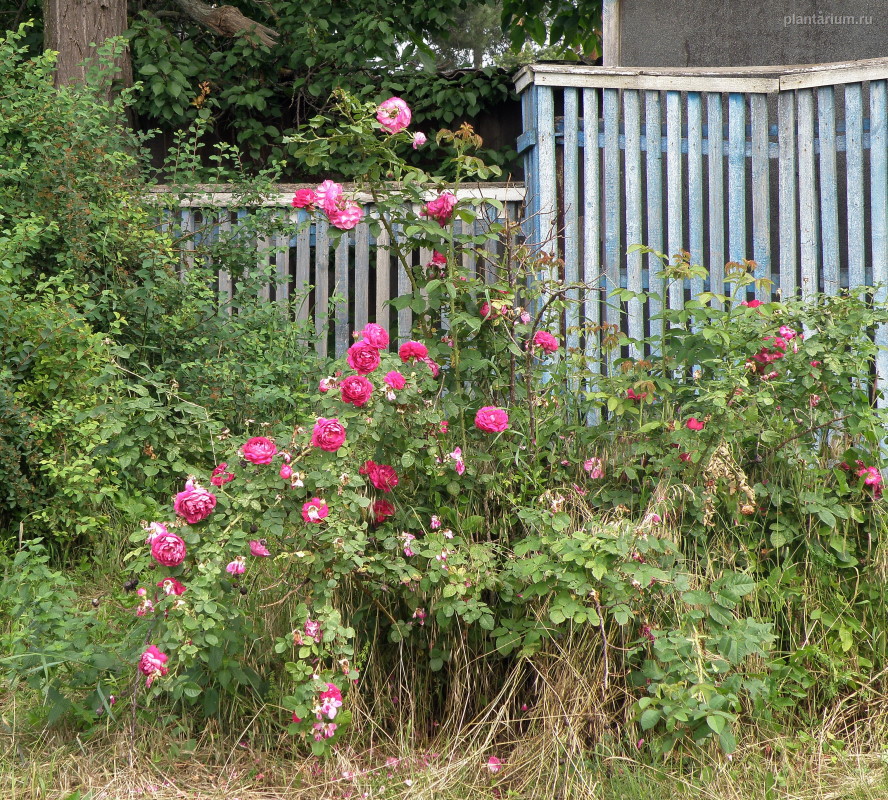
x,y
717,33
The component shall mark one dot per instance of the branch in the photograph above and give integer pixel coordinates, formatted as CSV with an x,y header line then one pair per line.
x,y
228,21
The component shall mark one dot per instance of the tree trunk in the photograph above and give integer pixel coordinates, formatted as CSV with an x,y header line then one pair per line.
x,y
75,27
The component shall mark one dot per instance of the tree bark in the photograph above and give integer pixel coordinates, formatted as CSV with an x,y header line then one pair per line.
x,y
75,27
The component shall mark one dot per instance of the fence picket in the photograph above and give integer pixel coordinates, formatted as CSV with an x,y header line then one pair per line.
x,y
716,170
807,193
854,156
761,194
829,190
654,185
631,124
788,225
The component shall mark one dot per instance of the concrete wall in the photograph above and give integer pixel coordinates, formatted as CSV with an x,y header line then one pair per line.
x,y
718,33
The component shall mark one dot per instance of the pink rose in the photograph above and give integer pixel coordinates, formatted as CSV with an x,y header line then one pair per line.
x,y
236,567
382,510
393,114
258,548
315,510
286,472
326,384
416,350
154,529
751,303
594,467
328,195
195,503
328,434
491,419
363,357
259,450
485,311
545,341
153,663
383,477
694,424
304,198
433,366
168,549
438,259
441,208
220,477
395,379
346,215
494,764
376,335
172,586
356,389
419,139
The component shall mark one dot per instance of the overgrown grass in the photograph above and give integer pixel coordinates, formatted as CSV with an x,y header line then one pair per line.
x,y
160,762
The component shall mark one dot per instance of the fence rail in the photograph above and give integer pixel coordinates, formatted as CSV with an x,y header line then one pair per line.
x,y
338,289
787,166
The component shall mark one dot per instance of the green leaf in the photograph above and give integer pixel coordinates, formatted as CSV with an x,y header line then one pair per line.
x,y
716,723
649,717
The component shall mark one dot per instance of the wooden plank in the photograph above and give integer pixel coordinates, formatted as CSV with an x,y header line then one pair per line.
x,y
282,260
654,197
611,33
632,127
855,186
736,178
674,191
342,323
383,279
807,192
612,252
829,190
322,284
695,186
788,224
761,194
187,229
571,217
405,315
663,83
531,176
879,220
264,252
756,79
716,170
362,275
302,283
225,284
591,240
547,171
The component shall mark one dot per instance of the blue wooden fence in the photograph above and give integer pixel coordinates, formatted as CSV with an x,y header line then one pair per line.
x,y
787,166
362,272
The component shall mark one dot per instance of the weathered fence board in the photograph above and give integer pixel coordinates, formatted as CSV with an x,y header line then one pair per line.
x,y
298,264
803,221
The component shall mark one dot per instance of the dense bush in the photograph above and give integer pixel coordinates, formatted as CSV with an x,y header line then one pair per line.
x,y
116,370
458,504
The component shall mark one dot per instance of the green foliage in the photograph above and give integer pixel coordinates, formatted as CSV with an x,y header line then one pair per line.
x,y
60,644
117,364
259,94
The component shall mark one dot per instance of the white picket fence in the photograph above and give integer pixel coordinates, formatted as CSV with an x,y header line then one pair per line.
x,y
341,288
